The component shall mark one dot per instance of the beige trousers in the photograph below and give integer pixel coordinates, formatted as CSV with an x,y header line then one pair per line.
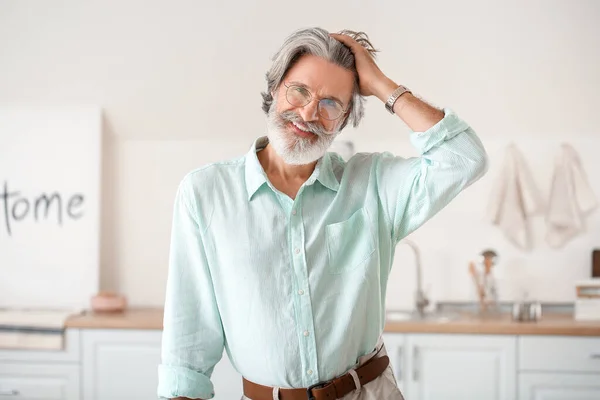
x,y
383,387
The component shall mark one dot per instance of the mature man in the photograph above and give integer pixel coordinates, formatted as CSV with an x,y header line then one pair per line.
x,y
282,256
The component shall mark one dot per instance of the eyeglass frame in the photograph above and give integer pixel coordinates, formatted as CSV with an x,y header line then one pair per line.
x,y
344,111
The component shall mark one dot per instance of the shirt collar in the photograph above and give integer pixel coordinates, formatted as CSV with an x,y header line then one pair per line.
x,y
325,173
255,175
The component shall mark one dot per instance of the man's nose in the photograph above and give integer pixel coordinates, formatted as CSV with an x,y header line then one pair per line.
x,y
310,112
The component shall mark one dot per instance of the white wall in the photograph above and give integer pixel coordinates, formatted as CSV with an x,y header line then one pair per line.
x,y
179,82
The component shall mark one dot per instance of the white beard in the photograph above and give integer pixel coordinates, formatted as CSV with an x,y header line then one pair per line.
x,y
293,149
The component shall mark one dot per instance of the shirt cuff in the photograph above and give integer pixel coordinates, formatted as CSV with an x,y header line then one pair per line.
x,y
183,382
447,128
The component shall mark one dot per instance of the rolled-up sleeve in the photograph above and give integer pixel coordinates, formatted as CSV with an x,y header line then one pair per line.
x,y
412,190
193,340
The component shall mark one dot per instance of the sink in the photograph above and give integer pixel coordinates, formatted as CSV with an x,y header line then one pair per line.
x,y
399,315
432,316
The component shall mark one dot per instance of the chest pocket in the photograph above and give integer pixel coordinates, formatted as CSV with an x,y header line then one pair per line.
x,y
349,243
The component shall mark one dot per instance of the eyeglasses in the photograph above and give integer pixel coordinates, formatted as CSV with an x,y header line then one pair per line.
x,y
299,96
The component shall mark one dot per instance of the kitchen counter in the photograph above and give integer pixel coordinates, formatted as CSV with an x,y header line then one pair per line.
x,y
134,318
550,324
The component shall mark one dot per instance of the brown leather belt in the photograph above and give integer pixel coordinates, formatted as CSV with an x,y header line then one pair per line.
x,y
334,389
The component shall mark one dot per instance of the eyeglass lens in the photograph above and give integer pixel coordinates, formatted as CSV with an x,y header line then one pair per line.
x,y
299,97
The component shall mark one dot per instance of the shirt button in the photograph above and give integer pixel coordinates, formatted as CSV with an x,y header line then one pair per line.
x,y
310,371
293,212
297,251
300,292
306,333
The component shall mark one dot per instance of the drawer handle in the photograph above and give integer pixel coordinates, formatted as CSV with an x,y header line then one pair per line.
x,y
399,363
595,356
9,392
415,371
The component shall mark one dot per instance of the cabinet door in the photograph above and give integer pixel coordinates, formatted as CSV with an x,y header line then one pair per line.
x,y
39,381
226,380
461,367
395,346
559,354
559,386
120,364
123,365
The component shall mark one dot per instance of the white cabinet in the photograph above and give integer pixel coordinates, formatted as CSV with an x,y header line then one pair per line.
x,y
39,381
226,380
120,364
456,367
559,386
123,365
395,346
42,374
559,368
559,353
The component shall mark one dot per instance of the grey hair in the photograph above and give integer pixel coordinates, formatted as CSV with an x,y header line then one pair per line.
x,y
317,42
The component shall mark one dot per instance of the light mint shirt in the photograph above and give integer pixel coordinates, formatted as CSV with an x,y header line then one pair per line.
x,y
294,290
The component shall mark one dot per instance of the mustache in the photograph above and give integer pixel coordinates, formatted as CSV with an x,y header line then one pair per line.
x,y
312,127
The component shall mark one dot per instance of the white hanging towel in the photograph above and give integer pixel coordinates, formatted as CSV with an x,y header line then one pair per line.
x,y
571,198
514,199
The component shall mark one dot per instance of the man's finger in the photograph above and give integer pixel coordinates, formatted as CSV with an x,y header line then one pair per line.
x,y
345,39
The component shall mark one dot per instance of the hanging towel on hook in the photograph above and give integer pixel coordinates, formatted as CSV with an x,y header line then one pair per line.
x,y
571,198
514,199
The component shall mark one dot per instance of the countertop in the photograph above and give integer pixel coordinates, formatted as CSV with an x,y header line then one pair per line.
x,y
550,324
134,318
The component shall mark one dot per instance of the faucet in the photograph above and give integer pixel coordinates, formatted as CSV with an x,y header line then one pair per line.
x,y
421,301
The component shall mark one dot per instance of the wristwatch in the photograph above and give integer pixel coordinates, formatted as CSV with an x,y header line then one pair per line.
x,y
389,104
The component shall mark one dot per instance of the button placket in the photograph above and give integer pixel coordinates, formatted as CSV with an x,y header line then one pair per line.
x,y
303,302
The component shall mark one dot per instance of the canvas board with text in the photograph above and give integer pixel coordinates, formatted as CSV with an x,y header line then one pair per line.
x,y
50,163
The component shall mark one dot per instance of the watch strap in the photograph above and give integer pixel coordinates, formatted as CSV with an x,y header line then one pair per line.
x,y
389,104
